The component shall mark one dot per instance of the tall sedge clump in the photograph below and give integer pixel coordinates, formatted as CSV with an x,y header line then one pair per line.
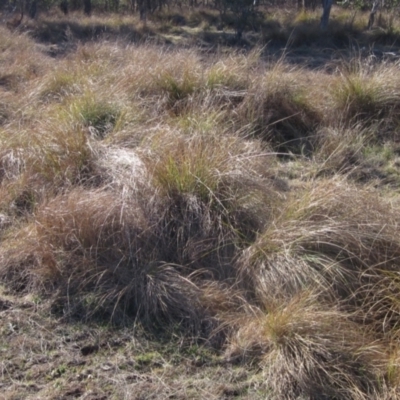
x,y
276,108
340,149
60,84
308,350
169,80
99,115
335,239
367,93
148,245
233,73
95,255
36,165
212,198
206,100
19,61
178,90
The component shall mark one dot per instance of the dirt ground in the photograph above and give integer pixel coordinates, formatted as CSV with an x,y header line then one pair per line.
x,y
42,357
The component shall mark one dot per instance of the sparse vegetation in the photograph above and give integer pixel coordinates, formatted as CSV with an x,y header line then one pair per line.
x,y
190,220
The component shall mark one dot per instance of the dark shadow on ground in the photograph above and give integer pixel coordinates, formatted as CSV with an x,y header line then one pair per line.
x,y
301,43
56,32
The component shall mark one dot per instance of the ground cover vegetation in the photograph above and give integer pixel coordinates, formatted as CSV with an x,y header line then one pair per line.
x,y
189,214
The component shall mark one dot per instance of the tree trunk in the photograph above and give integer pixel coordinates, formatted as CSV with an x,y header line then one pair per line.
x,y
327,5
64,6
74,5
32,8
87,7
371,20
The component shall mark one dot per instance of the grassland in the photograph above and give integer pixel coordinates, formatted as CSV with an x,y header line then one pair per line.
x,y
185,216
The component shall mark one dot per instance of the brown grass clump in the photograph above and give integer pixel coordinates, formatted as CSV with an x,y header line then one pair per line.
x,y
337,241
368,92
35,165
308,350
18,58
146,246
277,109
341,149
209,201
98,254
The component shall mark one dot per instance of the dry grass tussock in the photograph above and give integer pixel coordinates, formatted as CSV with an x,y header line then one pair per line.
x,y
368,91
143,244
338,240
277,107
307,349
38,164
146,185
19,61
340,149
